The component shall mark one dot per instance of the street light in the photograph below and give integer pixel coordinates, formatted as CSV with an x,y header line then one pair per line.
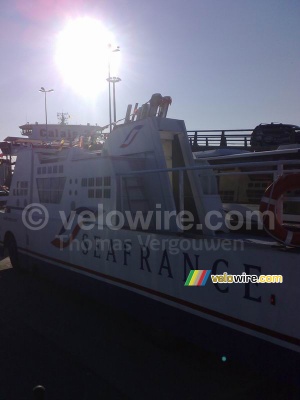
x,y
43,90
109,81
114,80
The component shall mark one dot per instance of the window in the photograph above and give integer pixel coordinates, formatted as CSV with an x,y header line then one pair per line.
x,y
91,181
106,181
50,190
96,186
22,189
84,182
98,194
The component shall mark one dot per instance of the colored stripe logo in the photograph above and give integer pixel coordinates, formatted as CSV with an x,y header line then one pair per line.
x,y
197,277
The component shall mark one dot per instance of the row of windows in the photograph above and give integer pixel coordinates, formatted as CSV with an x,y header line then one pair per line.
x,y
99,181
51,183
50,190
22,189
20,192
22,184
99,193
51,169
53,197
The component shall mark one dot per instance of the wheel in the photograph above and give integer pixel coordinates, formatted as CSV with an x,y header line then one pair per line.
x,y
13,252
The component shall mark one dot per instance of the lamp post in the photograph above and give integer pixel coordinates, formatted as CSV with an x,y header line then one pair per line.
x,y
43,90
114,80
109,81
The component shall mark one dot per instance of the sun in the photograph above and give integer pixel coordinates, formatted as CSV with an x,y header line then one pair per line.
x,y
84,50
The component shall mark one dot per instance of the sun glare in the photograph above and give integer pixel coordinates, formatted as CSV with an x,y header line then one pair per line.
x,y
83,51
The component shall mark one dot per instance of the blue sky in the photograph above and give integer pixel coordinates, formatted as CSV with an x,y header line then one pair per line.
x,y
227,64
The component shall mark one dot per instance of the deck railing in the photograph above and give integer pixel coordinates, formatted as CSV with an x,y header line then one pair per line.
x,y
274,169
213,139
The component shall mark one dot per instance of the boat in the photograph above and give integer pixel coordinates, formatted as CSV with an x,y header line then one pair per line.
x,y
141,224
246,190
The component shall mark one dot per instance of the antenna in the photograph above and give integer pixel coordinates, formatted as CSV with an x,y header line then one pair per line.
x,y
63,118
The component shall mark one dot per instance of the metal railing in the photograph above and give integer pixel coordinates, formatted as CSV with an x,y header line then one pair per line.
x,y
213,139
274,168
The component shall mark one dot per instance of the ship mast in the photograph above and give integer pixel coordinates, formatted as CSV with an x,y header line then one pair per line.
x,y
63,118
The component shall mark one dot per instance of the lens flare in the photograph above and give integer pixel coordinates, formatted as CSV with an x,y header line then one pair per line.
x,y
83,52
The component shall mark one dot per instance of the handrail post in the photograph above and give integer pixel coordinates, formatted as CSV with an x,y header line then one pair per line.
x,y
223,142
195,144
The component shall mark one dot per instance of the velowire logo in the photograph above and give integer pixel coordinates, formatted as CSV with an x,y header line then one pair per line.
x,y
197,277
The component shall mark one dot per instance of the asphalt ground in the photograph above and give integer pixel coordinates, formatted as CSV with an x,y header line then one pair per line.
x,y
78,348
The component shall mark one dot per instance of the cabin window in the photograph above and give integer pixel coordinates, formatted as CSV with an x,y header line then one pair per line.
x,y
84,182
107,181
51,169
99,187
98,193
91,181
50,190
22,189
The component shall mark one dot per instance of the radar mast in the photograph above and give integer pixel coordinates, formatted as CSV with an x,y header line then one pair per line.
x,y
63,118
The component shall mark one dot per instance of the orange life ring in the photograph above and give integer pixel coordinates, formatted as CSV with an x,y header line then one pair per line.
x,y
268,203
